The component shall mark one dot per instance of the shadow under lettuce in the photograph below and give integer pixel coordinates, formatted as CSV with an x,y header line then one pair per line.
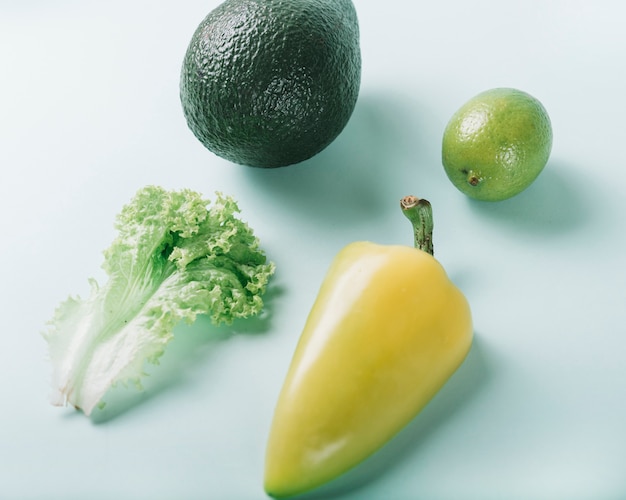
x,y
191,346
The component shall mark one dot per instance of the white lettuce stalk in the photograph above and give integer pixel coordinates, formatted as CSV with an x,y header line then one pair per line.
x,y
175,256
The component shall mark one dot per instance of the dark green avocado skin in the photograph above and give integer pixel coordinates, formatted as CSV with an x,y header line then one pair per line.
x,y
270,83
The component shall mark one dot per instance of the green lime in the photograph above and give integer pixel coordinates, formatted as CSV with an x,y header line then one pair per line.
x,y
269,83
497,144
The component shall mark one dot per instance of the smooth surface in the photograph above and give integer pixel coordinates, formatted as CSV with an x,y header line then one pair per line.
x,y
385,333
90,113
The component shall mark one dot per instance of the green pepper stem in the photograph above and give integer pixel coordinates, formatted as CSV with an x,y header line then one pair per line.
x,y
420,214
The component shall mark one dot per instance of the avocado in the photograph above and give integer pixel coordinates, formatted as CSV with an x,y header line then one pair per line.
x,y
270,83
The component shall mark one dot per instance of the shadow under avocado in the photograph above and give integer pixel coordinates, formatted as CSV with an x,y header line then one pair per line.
x,y
343,182
191,346
461,388
557,202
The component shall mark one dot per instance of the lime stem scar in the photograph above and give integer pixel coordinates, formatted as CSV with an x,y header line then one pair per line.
x,y
472,178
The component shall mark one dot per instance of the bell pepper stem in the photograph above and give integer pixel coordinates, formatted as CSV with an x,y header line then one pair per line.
x,y
420,214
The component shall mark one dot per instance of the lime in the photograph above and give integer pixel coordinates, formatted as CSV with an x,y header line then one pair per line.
x,y
497,144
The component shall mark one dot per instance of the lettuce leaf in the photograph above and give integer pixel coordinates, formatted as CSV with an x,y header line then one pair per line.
x,y
176,256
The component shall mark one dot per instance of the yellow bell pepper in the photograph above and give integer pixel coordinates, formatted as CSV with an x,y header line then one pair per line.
x,y
387,330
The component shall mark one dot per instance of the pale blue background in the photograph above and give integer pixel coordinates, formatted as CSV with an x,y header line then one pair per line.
x,y
89,113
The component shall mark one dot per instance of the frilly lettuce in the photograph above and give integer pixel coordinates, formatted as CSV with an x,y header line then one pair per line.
x,y
176,256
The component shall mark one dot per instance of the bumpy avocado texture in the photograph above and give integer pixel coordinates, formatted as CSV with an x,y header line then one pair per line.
x,y
270,83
